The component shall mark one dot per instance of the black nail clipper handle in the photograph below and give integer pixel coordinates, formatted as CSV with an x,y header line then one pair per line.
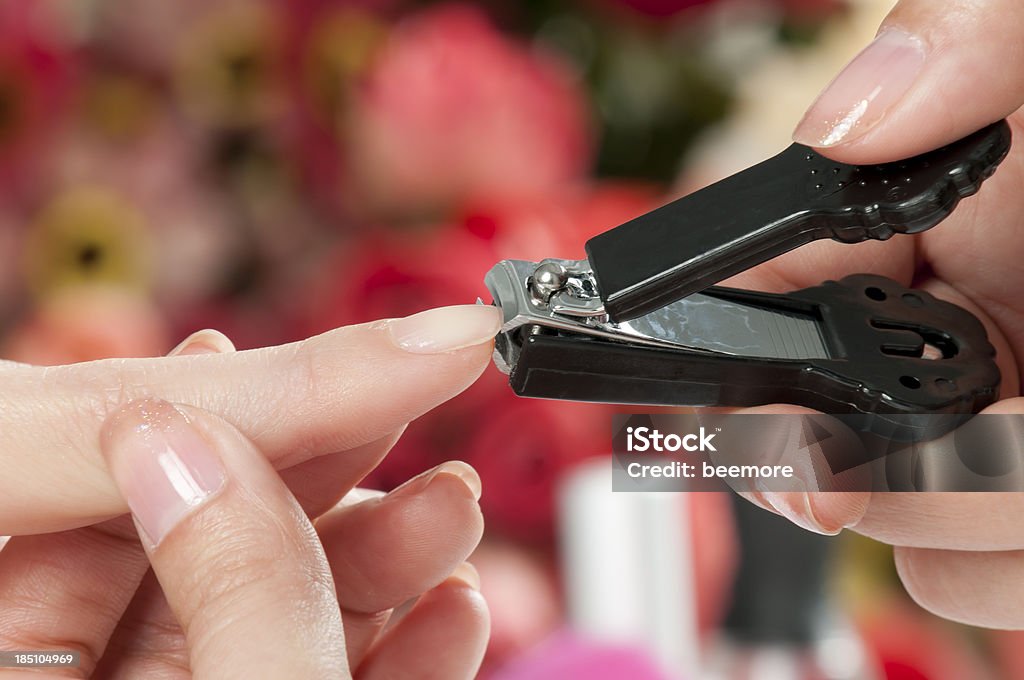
x,y
789,200
887,350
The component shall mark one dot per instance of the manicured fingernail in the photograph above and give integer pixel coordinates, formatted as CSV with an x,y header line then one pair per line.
x,y
468,574
463,471
864,91
162,465
206,341
445,329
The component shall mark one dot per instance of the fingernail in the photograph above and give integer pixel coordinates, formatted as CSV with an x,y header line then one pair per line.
x,y
864,91
206,341
162,465
468,574
445,329
463,471
796,507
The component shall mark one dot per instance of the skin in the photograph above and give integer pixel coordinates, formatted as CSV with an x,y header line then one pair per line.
x,y
959,555
393,584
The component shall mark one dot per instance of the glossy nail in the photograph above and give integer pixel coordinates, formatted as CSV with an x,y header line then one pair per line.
x,y
861,95
445,329
163,466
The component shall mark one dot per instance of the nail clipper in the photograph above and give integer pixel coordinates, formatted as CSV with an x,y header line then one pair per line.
x,y
640,321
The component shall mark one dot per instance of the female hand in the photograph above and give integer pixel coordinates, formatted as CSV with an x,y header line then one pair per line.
x,y
936,72
252,562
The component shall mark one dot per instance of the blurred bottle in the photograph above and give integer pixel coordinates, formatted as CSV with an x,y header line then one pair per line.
x,y
782,625
628,567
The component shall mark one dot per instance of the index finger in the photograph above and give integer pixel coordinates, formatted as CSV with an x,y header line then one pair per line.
x,y
333,392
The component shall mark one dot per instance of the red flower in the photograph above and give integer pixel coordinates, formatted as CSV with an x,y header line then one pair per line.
x,y
907,643
35,82
392,274
556,224
452,108
522,449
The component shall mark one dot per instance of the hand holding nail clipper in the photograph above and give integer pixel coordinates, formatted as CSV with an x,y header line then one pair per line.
x,y
935,72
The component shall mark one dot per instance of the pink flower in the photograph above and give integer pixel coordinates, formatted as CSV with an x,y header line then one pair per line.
x,y
85,323
452,108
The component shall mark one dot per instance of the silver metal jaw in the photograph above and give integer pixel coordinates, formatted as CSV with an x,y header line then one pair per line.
x,y
561,295
549,303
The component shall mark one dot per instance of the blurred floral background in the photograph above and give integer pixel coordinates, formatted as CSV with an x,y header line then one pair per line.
x,y
277,168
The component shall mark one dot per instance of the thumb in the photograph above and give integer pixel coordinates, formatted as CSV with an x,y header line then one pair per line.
x,y
237,558
936,72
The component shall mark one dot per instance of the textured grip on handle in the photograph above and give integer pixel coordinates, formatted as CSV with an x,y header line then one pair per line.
x,y
784,202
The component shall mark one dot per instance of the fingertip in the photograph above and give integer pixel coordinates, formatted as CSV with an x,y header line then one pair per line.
x,y
466,474
838,510
462,474
815,498
924,584
467,574
452,650
206,341
389,549
445,329
473,608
